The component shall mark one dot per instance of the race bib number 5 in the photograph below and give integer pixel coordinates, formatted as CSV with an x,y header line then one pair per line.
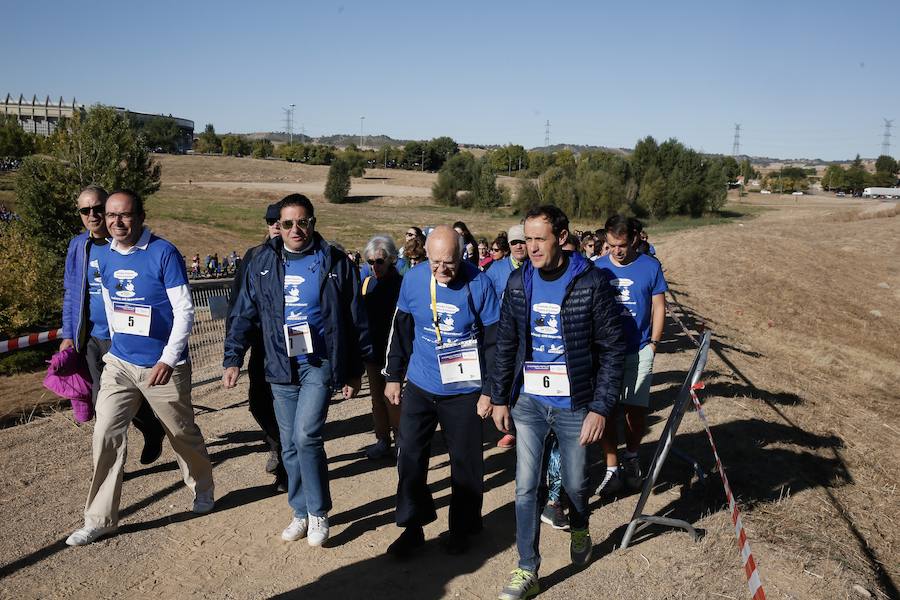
x,y
131,318
546,379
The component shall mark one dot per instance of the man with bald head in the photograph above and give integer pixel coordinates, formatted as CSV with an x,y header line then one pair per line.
x,y
442,343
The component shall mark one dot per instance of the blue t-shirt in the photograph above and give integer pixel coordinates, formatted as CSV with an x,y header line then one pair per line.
x,y
547,344
137,284
636,284
301,299
499,274
97,325
471,290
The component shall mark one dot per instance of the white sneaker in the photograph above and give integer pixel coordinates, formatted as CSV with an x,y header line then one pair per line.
x,y
87,535
203,503
318,530
296,530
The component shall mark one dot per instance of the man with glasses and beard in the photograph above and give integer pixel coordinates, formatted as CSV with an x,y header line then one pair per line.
x,y
150,314
84,319
304,296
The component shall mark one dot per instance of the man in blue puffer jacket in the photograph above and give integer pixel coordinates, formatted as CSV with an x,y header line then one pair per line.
x,y
84,318
304,295
560,351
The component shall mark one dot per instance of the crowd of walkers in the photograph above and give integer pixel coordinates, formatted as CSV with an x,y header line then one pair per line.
x,y
547,332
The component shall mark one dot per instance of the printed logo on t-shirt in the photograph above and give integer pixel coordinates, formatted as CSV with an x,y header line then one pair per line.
x,y
95,273
292,288
547,321
624,286
125,282
445,313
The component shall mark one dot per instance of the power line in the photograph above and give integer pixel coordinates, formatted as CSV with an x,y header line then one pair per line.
x,y
886,140
547,133
736,146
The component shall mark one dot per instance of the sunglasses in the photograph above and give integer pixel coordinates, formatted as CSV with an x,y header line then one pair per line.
x,y
301,223
97,210
271,222
410,234
377,261
515,242
495,249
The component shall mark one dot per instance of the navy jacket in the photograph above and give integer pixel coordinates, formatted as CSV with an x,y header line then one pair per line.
x,y
260,304
75,307
592,332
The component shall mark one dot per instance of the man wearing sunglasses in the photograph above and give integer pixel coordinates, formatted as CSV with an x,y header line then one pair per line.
x,y
259,395
150,313
442,343
304,295
84,319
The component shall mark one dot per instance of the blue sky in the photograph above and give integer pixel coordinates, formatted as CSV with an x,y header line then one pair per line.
x,y
804,79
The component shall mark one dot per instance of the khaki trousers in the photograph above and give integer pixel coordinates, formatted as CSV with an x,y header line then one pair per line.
x,y
122,388
385,414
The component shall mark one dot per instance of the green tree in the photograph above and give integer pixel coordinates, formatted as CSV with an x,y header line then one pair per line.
x,y
834,178
356,161
645,156
456,175
337,187
747,171
885,171
413,155
527,197
161,134
485,194
856,176
30,281
208,142
652,195
235,145
538,162
558,187
262,148
96,147
14,141
438,151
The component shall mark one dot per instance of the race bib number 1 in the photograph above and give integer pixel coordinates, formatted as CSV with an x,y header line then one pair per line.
x,y
546,379
459,364
298,339
130,318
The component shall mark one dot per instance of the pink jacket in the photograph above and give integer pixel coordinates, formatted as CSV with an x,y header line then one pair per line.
x,y
68,377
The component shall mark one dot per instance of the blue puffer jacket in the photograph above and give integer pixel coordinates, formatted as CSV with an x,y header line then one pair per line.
x,y
260,304
592,331
74,313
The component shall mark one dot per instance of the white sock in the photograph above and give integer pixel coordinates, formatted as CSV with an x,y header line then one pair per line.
x,y
612,469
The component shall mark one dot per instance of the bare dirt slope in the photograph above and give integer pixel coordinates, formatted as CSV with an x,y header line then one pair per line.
x,y
801,393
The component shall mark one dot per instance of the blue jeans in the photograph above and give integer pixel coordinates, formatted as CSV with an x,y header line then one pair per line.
x,y
301,410
534,421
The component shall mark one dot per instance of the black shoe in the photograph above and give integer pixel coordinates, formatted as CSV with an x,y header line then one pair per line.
x,y
456,543
273,461
555,516
281,479
409,540
152,448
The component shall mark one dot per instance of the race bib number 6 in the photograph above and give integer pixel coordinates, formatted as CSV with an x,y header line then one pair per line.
x,y
130,318
546,379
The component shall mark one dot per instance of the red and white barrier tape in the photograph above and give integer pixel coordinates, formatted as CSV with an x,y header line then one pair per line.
x,y
31,339
753,581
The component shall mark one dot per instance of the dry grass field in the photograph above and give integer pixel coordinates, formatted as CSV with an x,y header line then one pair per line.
x,y
803,301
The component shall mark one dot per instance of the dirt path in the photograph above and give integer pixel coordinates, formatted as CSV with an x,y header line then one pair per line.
x,y
801,394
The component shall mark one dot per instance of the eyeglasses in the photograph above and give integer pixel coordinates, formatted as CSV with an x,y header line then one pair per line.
x,y
125,216
377,261
301,223
97,210
495,250
271,222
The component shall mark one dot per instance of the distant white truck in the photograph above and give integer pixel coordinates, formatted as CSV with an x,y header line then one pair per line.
x,y
881,192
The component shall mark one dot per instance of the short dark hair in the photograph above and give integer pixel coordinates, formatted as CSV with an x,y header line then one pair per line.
x,y
558,219
636,224
96,190
619,225
137,203
298,200
502,242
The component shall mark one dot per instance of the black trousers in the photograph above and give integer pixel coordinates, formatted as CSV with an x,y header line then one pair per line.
x,y
260,398
145,420
420,413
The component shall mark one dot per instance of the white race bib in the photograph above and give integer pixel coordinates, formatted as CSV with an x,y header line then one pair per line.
x,y
298,339
459,363
130,318
546,379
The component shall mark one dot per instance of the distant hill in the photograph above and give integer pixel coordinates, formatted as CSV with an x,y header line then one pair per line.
x,y
578,149
339,140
